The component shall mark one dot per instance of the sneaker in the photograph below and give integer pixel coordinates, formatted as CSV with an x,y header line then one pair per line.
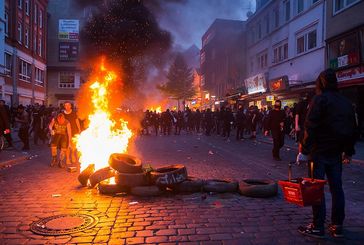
x,y
311,231
54,161
336,230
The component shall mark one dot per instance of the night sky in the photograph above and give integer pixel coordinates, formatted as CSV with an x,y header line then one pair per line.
x,y
188,20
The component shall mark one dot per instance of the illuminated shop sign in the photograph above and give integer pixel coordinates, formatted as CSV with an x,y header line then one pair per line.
x,y
344,51
256,84
278,84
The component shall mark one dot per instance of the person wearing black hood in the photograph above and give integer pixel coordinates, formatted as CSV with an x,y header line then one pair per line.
x,y
328,142
275,124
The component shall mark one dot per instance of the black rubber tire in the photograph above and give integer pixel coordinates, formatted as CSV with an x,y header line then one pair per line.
x,y
169,176
220,186
124,163
131,180
258,188
85,174
190,185
146,191
110,189
100,175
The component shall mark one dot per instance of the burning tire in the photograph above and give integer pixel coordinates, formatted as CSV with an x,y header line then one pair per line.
x,y
169,176
191,184
131,180
258,188
85,174
146,191
105,187
100,175
125,163
220,186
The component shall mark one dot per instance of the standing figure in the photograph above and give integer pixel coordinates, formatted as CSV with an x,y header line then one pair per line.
x,y
71,116
22,118
276,124
330,134
61,133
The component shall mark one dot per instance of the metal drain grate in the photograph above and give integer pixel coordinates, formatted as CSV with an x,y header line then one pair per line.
x,y
63,224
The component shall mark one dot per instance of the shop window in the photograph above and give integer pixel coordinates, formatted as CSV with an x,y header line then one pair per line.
x,y
8,63
340,5
66,80
24,71
39,77
344,51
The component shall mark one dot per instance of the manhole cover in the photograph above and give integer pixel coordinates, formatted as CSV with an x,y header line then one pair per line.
x,y
63,224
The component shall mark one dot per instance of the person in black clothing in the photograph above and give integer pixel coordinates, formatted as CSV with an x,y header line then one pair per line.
x,y
240,122
300,117
155,119
228,121
208,121
330,135
276,124
5,123
198,120
179,123
22,118
167,120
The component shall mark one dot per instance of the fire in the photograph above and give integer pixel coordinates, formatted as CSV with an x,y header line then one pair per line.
x,y
156,109
101,138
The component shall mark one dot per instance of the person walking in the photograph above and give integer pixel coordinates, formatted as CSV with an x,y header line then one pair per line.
x,y
240,122
22,118
275,124
330,134
71,116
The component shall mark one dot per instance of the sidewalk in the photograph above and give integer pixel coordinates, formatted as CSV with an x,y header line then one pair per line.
x,y
291,144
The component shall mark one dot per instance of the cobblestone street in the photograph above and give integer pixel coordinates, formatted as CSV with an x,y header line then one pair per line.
x,y
32,190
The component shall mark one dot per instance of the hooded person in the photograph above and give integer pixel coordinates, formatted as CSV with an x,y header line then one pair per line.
x,y
328,142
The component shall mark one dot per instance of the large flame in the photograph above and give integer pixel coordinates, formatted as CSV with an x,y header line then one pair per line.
x,y
101,138
157,109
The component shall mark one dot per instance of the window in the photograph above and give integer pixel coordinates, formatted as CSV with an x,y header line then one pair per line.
x,y
259,30
40,46
287,10
66,80
300,6
24,70
262,60
39,77
280,52
6,17
276,17
266,23
26,37
8,64
306,41
20,32
27,7
202,58
35,43
20,4
40,18
35,13
343,4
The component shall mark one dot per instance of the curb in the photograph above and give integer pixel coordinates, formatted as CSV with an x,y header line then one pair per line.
x,y
13,161
358,161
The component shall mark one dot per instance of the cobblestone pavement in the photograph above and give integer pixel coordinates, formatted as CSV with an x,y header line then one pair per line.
x,y
26,195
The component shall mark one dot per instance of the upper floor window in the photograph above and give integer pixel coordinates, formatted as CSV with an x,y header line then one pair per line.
x,y
40,53
280,53
26,41
27,7
266,23
35,13
262,60
20,4
8,63
40,18
259,30
35,43
300,6
343,4
6,17
24,70
276,17
20,32
287,10
39,77
202,57
306,41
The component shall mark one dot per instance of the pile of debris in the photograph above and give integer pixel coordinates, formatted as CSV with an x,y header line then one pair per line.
x,y
126,174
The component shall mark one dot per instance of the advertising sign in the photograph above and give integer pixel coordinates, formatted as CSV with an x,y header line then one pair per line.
x,y
256,84
344,51
278,84
68,51
68,29
350,74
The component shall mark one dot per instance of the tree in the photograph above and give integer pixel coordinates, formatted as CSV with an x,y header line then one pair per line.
x,y
179,83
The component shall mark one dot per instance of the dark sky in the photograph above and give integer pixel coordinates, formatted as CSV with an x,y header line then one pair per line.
x,y
188,20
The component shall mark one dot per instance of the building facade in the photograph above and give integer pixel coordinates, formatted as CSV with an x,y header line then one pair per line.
x,y
345,49
285,50
222,61
25,30
64,71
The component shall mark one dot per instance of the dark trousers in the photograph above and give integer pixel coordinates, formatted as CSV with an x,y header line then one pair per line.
x,y
278,142
24,137
332,167
239,132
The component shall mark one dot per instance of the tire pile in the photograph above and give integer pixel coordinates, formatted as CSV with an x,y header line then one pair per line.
x,y
131,177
